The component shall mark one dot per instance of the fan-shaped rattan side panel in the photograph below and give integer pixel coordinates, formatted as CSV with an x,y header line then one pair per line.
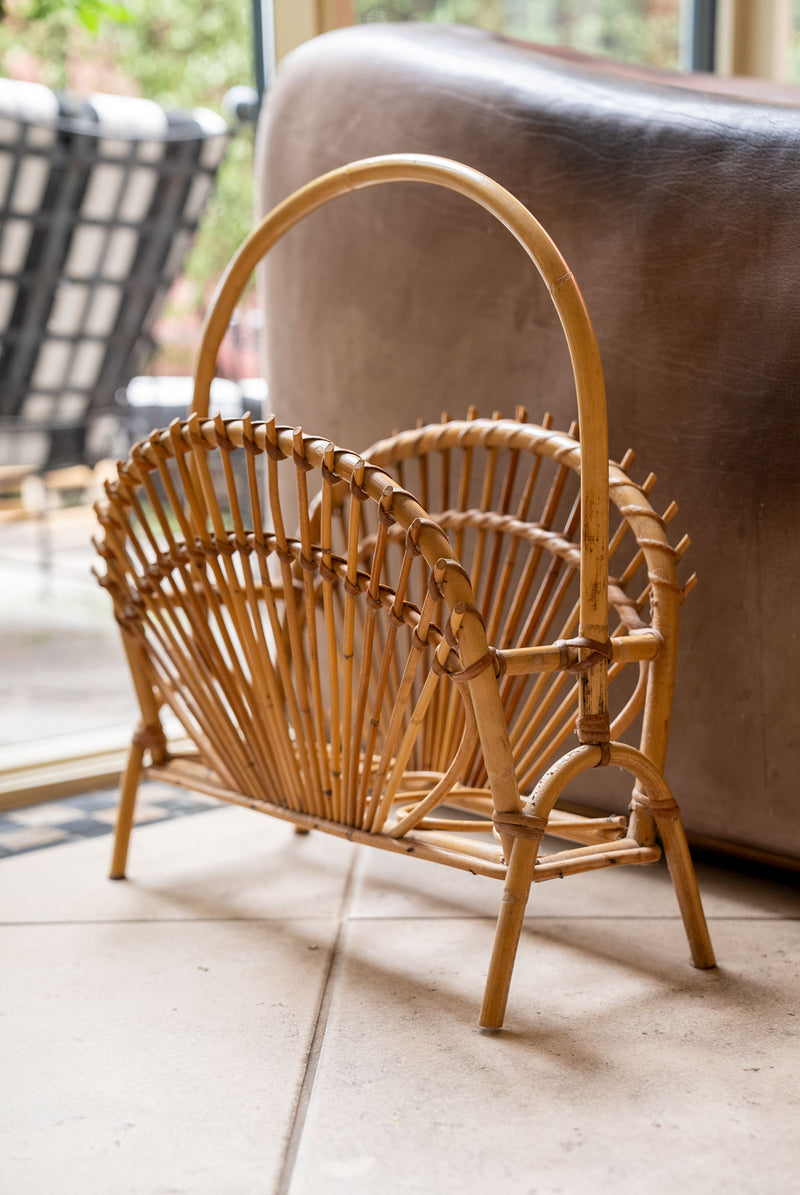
x,y
302,645
508,494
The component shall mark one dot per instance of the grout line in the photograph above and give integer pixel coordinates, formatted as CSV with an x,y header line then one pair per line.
x,y
627,917
166,921
736,917
335,966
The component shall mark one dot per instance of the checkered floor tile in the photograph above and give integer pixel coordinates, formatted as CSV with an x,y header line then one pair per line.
x,y
90,815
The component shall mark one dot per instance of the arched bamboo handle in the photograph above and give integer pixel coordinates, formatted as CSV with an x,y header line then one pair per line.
x,y
566,297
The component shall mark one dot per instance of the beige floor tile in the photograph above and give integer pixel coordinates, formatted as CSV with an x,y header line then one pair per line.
x,y
157,790
393,886
49,814
154,1058
29,836
621,1070
227,863
145,812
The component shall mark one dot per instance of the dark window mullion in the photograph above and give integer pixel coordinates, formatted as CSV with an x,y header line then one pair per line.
x,y
703,35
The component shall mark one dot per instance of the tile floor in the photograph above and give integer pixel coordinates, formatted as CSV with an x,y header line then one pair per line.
x,y
254,1012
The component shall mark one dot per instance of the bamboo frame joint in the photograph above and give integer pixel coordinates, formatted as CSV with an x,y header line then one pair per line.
x,y
520,825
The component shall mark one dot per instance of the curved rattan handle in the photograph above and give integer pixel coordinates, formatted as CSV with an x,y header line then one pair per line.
x,y
563,291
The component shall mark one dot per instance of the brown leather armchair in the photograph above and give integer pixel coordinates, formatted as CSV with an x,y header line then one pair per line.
x,y
677,210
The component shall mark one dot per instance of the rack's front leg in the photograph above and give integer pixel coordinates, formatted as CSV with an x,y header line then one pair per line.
x,y
524,833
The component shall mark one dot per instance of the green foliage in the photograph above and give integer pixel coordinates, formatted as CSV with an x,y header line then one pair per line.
x,y
187,52
90,13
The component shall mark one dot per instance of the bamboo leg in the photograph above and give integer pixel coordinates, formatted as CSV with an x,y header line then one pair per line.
x,y
653,798
127,802
681,869
509,925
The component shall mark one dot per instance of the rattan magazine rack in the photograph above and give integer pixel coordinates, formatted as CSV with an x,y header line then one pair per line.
x,y
407,671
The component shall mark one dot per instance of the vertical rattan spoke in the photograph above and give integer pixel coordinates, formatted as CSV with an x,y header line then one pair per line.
x,y
296,672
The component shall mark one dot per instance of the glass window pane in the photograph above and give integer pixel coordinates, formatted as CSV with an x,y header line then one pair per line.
x,y
635,30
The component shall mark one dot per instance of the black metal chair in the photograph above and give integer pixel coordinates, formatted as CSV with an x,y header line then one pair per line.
x,y
99,203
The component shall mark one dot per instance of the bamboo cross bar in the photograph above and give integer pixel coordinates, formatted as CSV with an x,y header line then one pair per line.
x,y
624,649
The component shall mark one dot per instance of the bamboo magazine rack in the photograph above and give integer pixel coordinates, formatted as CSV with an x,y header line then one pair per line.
x,y
407,672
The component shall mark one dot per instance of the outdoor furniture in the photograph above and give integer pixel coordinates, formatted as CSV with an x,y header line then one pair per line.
x,y
337,661
674,199
99,203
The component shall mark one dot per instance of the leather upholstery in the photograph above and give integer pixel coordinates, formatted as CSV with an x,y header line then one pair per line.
x,y
677,211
